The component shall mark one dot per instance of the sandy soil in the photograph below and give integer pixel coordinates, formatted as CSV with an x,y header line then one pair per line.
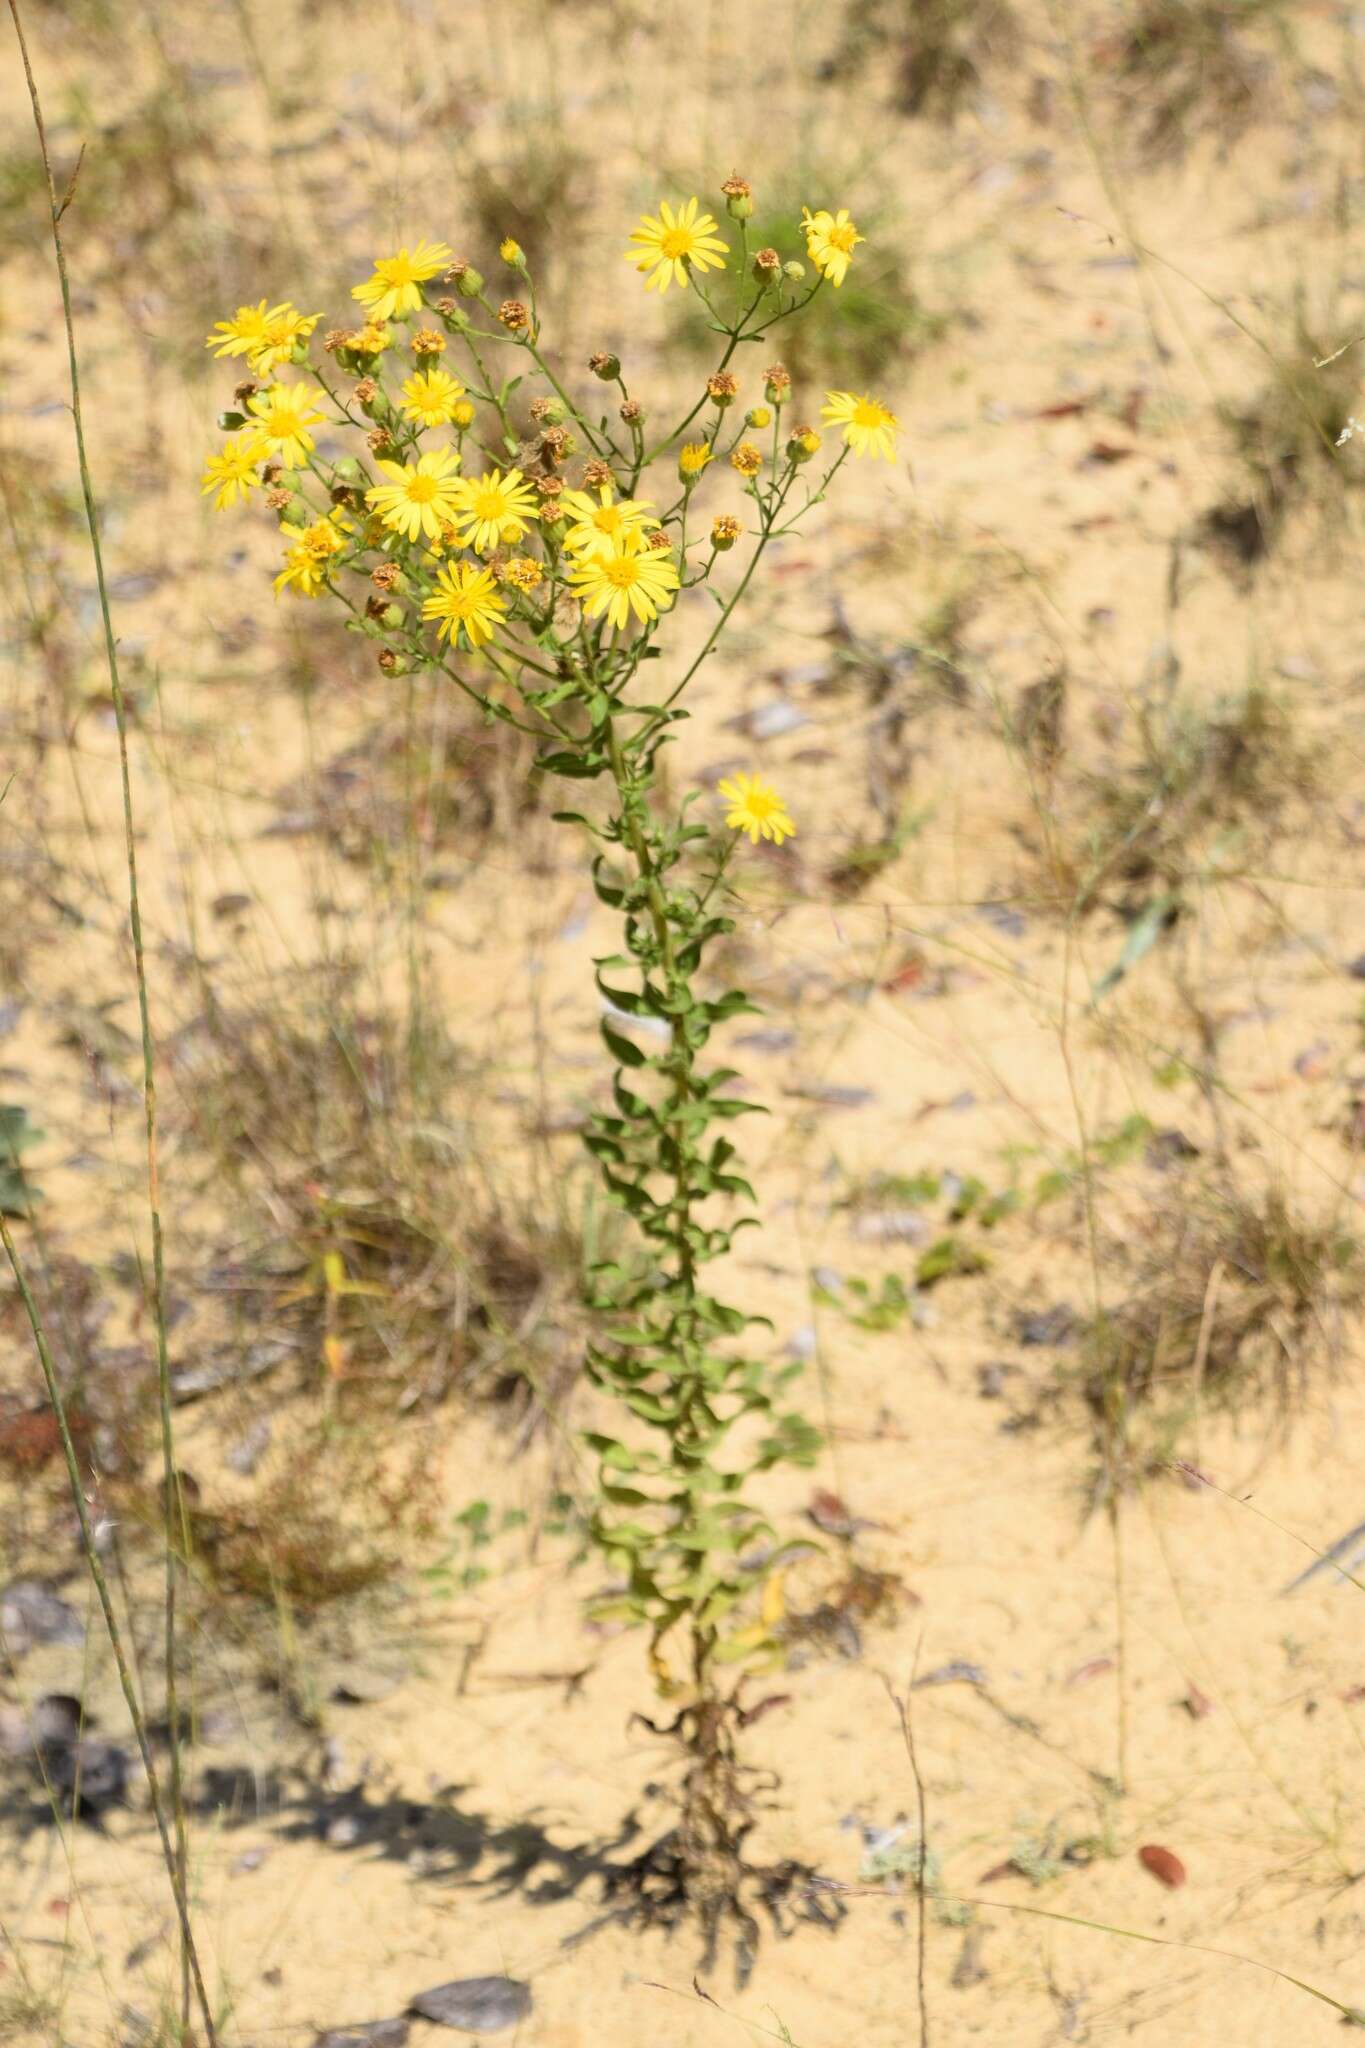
x,y
449,1827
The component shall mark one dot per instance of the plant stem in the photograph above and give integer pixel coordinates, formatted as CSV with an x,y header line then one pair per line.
x,y
170,1484
73,1473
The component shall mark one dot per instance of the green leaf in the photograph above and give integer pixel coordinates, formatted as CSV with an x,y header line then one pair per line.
x,y
622,1048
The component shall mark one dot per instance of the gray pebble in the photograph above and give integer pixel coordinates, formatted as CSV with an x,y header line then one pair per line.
x,y
477,2005
369,2034
30,1613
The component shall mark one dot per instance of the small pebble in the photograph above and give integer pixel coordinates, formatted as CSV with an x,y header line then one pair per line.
x,y
476,2005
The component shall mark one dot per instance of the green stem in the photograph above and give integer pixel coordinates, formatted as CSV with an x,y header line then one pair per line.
x,y
178,1858
125,1676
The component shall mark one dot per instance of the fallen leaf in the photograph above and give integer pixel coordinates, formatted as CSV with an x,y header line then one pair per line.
x,y
1197,1704
1165,1866
1065,409
1096,1668
1107,451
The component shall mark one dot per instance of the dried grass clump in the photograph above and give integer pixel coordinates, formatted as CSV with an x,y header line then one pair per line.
x,y
1190,68
1204,790
1239,1300
929,55
373,1230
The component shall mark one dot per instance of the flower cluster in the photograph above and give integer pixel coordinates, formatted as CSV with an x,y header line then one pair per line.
x,y
492,531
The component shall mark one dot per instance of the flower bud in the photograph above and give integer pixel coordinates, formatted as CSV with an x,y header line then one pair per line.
x,y
230,421
393,664
739,198
758,417
804,443
465,278
777,384
550,412
299,352
512,252
632,412
454,315
725,531
605,365
722,388
388,576
767,268
392,617
347,470
463,413
795,272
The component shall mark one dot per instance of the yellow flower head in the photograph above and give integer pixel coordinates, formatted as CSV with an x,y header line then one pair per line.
x,y
370,340
232,472
420,498
432,398
306,563
523,573
756,808
831,239
466,601
747,459
628,577
667,244
512,252
869,429
463,414
494,509
284,414
693,459
397,281
265,335
599,522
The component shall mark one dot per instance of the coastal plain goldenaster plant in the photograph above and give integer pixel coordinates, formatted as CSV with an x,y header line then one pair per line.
x,y
530,556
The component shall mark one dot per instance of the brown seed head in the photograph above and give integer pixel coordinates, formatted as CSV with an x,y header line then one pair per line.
x,y
513,315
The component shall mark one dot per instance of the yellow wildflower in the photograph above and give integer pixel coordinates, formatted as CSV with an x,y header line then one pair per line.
x,y
725,531
669,243
627,577
397,281
494,509
463,414
305,564
747,459
599,522
830,241
756,808
432,398
512,252
523,573
466,601
421,497
232,472
692,459
284,414
264,335
869,429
